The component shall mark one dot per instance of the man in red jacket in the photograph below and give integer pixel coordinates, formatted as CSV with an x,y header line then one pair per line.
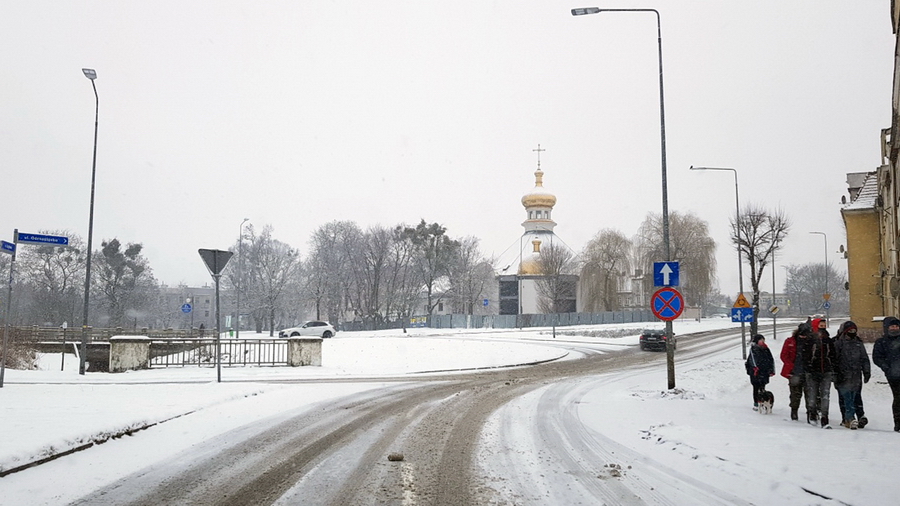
x,y
793,366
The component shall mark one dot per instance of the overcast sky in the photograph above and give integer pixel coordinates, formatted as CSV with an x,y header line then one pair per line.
x,y
296,114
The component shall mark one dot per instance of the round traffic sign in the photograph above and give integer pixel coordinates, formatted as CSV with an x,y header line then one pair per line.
x,y
186,308
826,305
667,304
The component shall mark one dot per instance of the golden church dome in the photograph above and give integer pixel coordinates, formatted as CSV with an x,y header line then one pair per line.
x,y
539,197
532,265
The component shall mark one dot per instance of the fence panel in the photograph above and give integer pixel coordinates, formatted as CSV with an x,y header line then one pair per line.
x,y
202,352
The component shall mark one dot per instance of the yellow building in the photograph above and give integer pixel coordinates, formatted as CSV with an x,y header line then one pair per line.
x,y
864,266
872,219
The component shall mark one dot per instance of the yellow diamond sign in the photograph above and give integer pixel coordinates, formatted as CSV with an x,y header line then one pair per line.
x,y
741,301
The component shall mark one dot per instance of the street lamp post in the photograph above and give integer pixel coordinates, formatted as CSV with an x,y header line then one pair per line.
x,y
737,221
92,75
190,300
237,325
774,314
825,295
670,352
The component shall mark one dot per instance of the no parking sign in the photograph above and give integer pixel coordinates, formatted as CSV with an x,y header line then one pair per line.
x,y
667,304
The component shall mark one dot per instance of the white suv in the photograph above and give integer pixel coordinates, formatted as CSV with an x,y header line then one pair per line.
x,y
313,328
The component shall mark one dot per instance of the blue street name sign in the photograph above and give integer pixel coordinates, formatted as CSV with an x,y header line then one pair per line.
x,y
665,273
186,308
7,247
42,239
485,303
742,314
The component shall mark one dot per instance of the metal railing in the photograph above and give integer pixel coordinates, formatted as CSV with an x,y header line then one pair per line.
x,y
202,352
34,333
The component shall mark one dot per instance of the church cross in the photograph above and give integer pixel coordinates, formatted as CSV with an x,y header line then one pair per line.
x,y
539,155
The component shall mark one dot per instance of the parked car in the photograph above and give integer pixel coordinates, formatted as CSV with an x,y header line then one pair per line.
x,y
312,328
655,339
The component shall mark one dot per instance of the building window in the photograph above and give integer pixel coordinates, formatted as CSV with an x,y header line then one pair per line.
x,y
206,314
440,306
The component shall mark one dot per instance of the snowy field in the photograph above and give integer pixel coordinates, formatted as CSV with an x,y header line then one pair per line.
x,y
705,428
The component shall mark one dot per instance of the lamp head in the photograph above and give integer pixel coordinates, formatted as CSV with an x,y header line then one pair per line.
x,y
90,73
585,10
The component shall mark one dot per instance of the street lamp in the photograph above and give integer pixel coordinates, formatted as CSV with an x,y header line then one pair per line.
x,y
662,139
190,300
774,313
825,295
92,75
737,221
237,325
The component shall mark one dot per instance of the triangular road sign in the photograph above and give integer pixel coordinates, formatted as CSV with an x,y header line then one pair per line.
x,y
741,302
215,260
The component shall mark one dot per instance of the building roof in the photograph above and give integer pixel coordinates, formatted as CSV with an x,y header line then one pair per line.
x,y
867,196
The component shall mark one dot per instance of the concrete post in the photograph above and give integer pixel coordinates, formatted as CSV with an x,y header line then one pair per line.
x,y
129,353
304,351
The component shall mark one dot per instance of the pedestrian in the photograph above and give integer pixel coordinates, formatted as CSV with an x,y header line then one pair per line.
x,y
886,355
760,367
818,365
793,366
851,370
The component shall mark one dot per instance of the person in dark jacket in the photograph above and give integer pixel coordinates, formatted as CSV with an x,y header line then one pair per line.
x,y
760,366
852,369
886,355
818,365
793,366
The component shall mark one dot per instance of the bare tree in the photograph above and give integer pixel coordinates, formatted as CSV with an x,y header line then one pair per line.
x,y
805,285
470,274
556,286
605,262
690,245
759,234
273,267
55,275
369,260
327,268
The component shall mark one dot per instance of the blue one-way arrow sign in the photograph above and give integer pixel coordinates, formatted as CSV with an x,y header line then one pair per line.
x,y
665,273
42,239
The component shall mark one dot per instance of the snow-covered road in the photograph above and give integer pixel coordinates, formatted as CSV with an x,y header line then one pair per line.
x,y
606,430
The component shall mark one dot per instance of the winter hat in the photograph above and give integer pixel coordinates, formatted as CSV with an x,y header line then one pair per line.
x,y
804,329
815,324
757,337
849,325
890,320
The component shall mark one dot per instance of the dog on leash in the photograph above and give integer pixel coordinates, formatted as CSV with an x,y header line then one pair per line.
x,y
766,401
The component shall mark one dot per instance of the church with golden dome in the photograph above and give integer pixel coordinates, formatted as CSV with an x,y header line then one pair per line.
x,y
544,281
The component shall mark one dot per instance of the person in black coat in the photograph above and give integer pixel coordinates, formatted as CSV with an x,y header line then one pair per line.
x,y
851,370
818,355
886,355
760,367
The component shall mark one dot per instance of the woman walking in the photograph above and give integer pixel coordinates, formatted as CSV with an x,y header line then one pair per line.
x,y
760,367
